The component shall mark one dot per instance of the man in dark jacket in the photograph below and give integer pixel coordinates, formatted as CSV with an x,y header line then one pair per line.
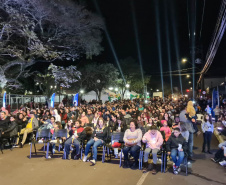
x,y
176,146
12,128
4,122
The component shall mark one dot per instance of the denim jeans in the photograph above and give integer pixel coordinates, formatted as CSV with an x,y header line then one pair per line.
x,y
206,140
95,144
174,154
68,143
134,151
190,145
154,154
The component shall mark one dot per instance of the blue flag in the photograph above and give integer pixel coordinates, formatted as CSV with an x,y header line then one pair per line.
x,y
75,100
52,100
4,99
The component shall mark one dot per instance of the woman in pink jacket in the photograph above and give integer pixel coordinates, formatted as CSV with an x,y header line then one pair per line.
x,y
166,129
154,140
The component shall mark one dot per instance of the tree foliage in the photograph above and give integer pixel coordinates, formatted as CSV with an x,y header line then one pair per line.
x,y
96,77
41,30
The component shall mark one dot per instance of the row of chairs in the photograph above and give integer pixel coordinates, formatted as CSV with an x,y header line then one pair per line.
x,y
106,148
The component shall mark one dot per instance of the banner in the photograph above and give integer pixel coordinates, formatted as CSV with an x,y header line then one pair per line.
x,y
52,100
4,100
75,100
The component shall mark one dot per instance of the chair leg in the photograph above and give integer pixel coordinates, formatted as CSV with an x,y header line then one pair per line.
x,y
35,148
165,160
120,163
30,151
162,162
47,150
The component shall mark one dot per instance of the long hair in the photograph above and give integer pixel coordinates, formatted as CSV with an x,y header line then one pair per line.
x,y
98,125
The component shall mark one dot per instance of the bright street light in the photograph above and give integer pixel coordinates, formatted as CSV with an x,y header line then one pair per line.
x,y
184,60
81,91
188,76
147,93
157,90
186,95
111,88
189,82
116,89
127,85
51,86
191,88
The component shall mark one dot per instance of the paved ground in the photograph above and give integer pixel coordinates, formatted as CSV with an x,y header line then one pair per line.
x,y
17,169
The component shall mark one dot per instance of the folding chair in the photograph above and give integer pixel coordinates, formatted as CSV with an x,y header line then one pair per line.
x,y
44,133
59,134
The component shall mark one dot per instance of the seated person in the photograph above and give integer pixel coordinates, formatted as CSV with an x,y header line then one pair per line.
x,y
12,129
74,140
166,129
154,140
132,139
99,135
32,124
175,146
220,155
4,122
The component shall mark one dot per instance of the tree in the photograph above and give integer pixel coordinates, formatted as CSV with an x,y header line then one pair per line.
x,y
55,78
132,76
96,77
40,30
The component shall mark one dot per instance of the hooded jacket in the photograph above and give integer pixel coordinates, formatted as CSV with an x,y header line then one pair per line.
x,y
57,116
173,143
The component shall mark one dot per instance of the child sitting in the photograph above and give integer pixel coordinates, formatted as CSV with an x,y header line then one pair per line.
x,y
175,146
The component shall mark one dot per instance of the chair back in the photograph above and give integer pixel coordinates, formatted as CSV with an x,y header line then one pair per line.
x,y
60,133
117,136
43,133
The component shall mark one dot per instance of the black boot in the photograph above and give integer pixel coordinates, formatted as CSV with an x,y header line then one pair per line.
x,y
154,169
125,164
135,165
145,167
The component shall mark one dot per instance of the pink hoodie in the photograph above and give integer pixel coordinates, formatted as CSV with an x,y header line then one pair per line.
x,y
153,141
167,132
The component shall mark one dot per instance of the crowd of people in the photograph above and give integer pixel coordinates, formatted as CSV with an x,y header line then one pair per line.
x,y
155,125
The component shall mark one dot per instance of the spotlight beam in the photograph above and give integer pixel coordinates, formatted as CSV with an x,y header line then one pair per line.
x,y
137,40
168,46
159,44
110,42
175,36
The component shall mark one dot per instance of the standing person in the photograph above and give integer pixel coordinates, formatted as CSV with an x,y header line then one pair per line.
x,y
190,128
176,146
208,110
207,129
154,140
217,113
132,139
166,129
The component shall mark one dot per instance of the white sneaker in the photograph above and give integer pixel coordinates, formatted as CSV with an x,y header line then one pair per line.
x,y
53,141
222,163
40,141
85,159
93,162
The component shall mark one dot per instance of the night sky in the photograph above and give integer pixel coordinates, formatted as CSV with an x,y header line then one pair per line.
x,y
119,22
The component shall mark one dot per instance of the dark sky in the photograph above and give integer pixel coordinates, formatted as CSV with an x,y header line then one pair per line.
x,y
118,18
